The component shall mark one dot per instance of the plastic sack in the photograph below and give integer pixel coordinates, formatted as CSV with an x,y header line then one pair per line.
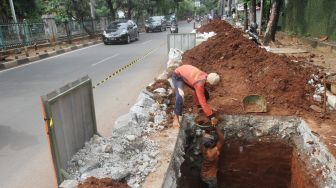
x,y
175,57
175,54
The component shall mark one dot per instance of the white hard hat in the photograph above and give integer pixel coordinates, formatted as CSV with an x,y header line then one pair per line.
x,y
213,78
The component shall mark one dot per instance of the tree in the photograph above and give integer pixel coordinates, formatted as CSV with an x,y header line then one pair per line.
x,y
273,22
24,9
246,16
112,6
185,8
253,4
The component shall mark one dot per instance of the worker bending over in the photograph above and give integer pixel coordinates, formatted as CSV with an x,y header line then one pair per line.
x,y
196,79
211,148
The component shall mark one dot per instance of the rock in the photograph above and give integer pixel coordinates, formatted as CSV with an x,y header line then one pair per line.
x,y
153,154
317,98
139,114
130,137
69,184
161,91
258,133
119,173
107,148
160,117
144,100
98,173
136,185
80,162
146,158
121,121
97,139
90,165
316,108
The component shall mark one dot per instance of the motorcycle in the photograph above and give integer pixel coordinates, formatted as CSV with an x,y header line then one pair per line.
x,y
253,34
188,20
174,28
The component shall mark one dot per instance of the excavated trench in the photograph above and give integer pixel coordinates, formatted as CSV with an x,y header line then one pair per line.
x,y
259,152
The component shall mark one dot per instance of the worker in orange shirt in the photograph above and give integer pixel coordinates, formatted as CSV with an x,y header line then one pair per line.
x,y
196,79
211,148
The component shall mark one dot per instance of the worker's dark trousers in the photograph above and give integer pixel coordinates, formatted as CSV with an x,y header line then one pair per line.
x,y
178,84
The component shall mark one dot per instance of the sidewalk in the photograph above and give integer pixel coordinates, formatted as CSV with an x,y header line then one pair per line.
x,y
20,56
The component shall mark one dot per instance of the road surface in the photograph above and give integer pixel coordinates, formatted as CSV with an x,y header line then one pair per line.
x,y
25,160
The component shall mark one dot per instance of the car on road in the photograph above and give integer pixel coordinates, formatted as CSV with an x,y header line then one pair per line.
x,y
123,31
155,23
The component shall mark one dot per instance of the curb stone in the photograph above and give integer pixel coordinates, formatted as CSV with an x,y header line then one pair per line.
x,y
27,60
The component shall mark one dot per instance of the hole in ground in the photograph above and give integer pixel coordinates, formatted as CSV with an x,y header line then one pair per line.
x,y
267,163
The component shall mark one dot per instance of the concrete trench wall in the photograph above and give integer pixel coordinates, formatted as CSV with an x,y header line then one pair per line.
x,y
318,161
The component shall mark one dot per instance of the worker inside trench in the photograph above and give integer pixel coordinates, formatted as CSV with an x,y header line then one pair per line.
x,y
247,160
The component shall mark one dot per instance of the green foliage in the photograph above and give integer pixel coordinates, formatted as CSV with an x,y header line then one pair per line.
x,y
25,9
202,10
58,9
185,8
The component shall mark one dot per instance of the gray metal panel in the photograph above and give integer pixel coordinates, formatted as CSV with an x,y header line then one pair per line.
x,y
181,41
71,109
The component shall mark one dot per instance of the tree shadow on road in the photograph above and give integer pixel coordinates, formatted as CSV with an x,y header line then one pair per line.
x,y
15,140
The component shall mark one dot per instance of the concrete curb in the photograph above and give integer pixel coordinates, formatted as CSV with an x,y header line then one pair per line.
x,y
31,59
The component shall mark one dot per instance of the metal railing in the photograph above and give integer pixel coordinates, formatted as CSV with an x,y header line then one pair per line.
x,y
21,34
13,35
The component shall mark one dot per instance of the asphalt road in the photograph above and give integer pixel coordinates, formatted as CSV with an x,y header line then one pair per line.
x,y
25,160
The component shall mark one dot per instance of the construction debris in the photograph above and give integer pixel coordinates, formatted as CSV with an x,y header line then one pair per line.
x,y
129,155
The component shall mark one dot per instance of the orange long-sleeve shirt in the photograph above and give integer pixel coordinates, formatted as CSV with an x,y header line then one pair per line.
x,y
195,78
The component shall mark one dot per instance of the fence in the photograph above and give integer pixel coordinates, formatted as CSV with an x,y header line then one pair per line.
x,y
21,34
309,17
15,35
181,41
70,121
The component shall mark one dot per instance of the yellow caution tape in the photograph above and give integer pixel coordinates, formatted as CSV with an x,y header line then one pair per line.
x,y
130,64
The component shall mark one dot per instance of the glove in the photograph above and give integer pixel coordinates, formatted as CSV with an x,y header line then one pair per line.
x,y
214,121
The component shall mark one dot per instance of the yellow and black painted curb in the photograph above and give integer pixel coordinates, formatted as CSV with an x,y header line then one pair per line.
x,y
125,67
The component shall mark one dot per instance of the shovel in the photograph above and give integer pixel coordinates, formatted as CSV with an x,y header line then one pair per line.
x,y
254,103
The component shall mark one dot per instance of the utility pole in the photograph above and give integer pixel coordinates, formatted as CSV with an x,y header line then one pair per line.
x,y
13,10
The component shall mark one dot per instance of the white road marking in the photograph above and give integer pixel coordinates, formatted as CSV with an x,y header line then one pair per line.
x,y
102,61
52,57
146,42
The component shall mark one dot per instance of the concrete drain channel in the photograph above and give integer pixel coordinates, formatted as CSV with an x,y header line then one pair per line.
x,y
260,151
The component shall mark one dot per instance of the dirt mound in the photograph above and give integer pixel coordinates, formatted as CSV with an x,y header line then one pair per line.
x,y
93,182
247,69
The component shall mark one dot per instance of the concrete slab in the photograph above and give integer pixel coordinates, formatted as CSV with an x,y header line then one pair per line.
x,y
287,50
166,140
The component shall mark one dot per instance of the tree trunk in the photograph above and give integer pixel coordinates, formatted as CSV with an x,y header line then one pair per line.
x,y
230,13
246,17
253,11
268,11
273,22
112,10
129,9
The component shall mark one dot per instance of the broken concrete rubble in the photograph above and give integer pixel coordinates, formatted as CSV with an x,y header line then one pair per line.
x,y
128,154
69,184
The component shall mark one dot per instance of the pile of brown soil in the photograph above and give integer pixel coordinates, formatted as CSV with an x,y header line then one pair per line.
x,y
93,182
247,69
